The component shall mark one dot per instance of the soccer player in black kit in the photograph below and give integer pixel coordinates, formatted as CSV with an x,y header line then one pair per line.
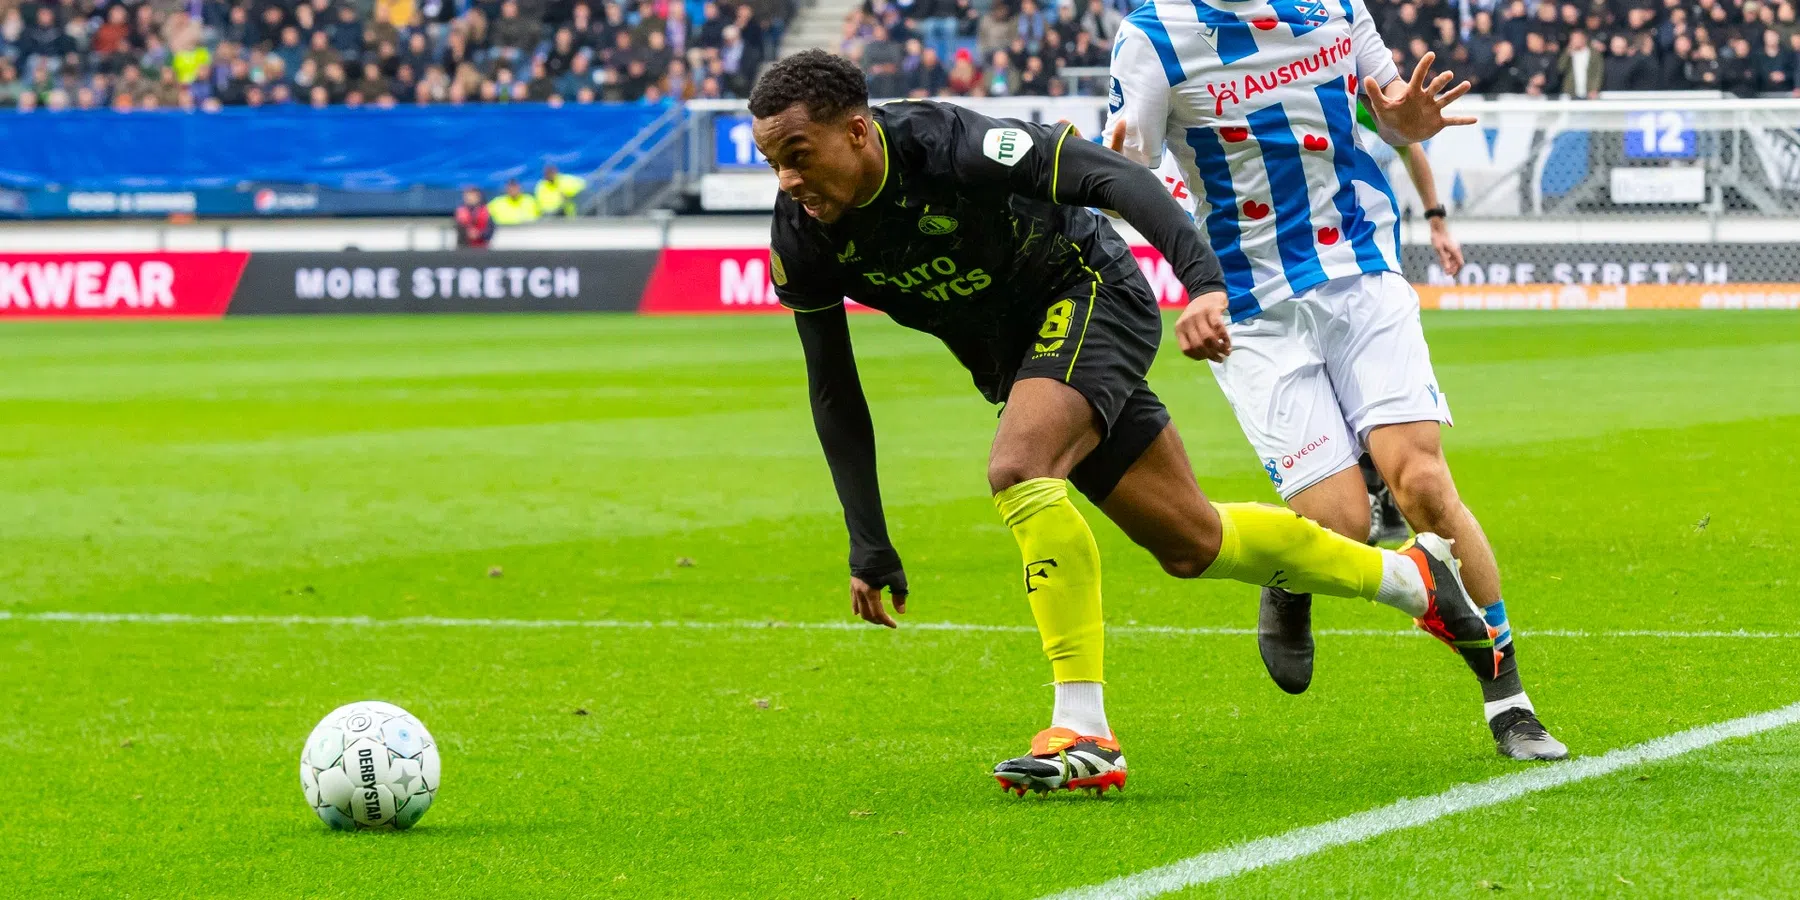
x,y
978,231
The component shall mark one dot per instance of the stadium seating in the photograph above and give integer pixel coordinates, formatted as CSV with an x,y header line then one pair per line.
x,y
213,54
1018,47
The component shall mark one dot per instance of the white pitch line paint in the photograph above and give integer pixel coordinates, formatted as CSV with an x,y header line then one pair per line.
x,y
129,618
1412,812
1195,870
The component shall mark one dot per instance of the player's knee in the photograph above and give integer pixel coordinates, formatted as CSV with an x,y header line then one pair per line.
x,y
1006,471
1426,493
1192,554
1186,564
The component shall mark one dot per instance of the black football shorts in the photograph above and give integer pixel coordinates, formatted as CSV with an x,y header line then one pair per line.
x,y
1100,339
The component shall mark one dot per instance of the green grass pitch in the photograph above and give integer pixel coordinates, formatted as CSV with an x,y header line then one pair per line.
x,y
1636,471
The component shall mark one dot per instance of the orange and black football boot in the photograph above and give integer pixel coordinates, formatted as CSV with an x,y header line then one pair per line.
x,y
1062,760
1451,615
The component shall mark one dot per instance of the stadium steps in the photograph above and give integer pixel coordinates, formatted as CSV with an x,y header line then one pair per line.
x,y
642,173
819,25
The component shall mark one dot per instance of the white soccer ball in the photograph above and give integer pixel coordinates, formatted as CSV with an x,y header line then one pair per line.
x,y
369,765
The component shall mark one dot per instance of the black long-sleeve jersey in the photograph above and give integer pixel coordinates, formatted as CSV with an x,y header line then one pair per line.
x,y
979,225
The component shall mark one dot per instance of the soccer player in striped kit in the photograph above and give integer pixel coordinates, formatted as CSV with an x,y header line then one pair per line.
x,y
1256,100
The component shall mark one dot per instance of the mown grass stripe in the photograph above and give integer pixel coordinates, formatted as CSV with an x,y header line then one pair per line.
x,y
1409,813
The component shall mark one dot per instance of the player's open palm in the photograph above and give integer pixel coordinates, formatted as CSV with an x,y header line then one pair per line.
x,y
1201,328
1413,111
866,601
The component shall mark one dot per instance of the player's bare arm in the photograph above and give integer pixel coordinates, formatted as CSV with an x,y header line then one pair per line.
x,y
1411,111
1418,168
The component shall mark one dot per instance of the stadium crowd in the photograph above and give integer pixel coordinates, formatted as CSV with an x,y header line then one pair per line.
x,y
209,54
1541,47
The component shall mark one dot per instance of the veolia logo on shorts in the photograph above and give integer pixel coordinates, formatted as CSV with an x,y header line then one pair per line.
x,y
936,225
1287,462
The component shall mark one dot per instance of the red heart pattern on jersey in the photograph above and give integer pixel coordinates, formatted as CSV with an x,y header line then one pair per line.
x,y
1264,24
1350,83
1328,236
1314,142
1234,133
1255,210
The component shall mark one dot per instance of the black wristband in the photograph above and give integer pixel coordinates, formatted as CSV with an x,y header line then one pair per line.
x,y
1436,212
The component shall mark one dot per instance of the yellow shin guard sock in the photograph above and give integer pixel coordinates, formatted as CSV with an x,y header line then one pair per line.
x,y
1062,575
1276,547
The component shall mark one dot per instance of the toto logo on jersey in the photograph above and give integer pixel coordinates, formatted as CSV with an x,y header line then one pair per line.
x,y
1006,146
1288,461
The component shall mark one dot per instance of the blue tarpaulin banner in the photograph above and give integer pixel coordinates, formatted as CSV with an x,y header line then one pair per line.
x,y
364,149
252,199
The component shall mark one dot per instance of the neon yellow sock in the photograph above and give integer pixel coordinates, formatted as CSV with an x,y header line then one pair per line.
x,y
1274,546
1062,575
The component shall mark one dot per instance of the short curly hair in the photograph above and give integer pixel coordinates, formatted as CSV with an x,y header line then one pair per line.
x,y
828,85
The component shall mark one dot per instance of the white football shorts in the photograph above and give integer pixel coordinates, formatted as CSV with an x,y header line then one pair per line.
x,y
1310,377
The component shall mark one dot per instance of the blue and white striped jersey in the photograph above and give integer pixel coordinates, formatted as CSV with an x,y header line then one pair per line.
x,y
1256,100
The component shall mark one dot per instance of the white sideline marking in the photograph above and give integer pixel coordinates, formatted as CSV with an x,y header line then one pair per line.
x,y
753,625
1408,813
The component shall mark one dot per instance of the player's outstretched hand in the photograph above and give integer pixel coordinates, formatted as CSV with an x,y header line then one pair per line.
x,y
1201,328
865,598
1413,110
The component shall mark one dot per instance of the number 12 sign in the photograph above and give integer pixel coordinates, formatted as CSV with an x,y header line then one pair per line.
x,y
1660,134
733,147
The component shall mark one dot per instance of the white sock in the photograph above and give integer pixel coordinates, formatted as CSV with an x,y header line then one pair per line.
x,y
1081,708
1516,701
1402,587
